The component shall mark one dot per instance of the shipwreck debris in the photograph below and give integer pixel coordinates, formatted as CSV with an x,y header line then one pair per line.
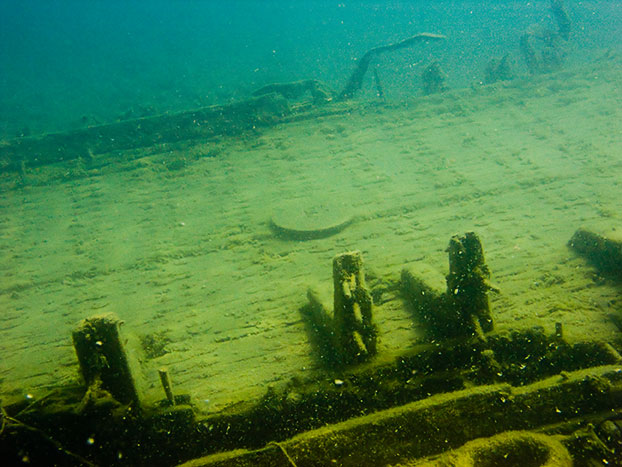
x,y
603,252
507,448
311,218
356,333
348,334
166,385
319,91
433,79
430,426
463,309
266,107
103,362
561,17
467,283
356,78
386,411
543,48
89,143
498,69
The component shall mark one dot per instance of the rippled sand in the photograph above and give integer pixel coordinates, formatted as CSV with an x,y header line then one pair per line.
x,y
176,239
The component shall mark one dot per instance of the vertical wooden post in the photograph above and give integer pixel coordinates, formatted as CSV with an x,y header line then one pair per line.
x,y
102,358
166,385
467,284
355,332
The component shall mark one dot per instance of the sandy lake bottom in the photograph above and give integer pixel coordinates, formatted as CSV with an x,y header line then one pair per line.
x,y
184,254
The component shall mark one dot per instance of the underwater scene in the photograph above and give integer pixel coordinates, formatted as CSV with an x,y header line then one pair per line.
x,y
263,233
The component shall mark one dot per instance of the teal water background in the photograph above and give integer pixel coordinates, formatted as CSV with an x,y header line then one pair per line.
x,y
67,64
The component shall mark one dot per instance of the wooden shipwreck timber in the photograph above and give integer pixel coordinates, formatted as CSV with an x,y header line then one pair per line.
x,y
526,394
469,389
269,105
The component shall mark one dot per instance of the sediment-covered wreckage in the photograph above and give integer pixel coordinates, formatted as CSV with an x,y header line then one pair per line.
x,y
526,395
469,394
